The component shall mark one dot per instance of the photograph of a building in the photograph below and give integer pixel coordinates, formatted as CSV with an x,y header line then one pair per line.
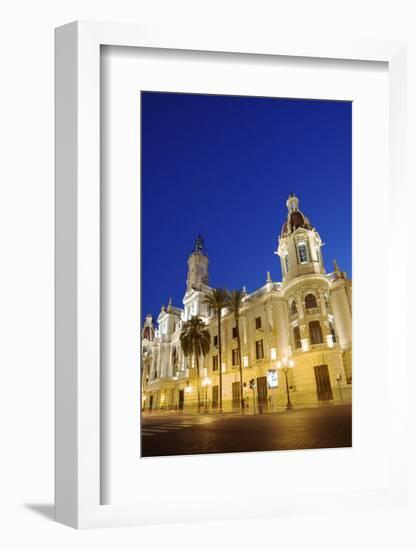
x,y
252,369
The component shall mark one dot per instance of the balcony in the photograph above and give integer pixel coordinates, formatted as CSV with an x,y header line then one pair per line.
x,y
322,346
312,311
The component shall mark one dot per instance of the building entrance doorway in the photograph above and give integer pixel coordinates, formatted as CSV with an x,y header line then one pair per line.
x,y
262,393
181,400
236,395
324,388
215,397
150,402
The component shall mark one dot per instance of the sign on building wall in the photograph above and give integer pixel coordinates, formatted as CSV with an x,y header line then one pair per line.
x,y
272,379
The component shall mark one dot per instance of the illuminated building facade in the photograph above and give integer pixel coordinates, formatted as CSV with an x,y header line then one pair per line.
x,y
303,323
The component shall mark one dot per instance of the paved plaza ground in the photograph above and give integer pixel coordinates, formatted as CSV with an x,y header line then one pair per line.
x,y
179,433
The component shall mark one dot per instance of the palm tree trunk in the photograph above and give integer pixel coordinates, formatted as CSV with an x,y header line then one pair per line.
x,y
219,328
198,379
242,401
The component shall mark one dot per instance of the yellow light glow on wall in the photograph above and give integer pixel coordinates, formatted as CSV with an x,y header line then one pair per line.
x,y
329,339
304,344
273,354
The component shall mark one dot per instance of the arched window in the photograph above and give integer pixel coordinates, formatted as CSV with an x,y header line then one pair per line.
x,y
310,301
316,336
293,307
297,337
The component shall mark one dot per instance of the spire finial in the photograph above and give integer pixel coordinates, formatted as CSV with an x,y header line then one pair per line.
x,y
268,277
292,203
199,247
169,309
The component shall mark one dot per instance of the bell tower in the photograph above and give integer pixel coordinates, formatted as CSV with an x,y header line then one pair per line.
x,y
197,266
299,244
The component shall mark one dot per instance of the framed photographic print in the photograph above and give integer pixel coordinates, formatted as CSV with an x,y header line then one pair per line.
x,y
219,204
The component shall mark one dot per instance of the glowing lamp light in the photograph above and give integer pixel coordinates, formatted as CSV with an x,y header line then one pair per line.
x,y
188,389
273,354
286,365
304,344
246,361
206,381
330,342
223,367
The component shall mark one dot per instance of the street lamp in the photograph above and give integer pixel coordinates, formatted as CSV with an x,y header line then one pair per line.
x,y
339,379
206,382
285,366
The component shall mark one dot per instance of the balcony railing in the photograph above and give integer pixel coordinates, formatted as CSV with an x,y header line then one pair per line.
x,y
312,311
316,347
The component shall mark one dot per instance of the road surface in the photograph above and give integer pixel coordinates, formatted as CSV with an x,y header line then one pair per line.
x,y
178,433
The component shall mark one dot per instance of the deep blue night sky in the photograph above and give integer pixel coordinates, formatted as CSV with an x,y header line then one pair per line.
x,y
224,166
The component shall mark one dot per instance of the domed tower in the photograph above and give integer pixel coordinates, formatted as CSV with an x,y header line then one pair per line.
x,y
299,244
148,331
197,266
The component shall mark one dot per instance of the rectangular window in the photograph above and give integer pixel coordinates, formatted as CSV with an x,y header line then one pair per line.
x,y
215,340
215,362
297,337
234,332
332,332
302,253
235,360
259,349
258,323
316,335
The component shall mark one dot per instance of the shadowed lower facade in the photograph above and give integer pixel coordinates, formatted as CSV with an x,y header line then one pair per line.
x,y
295,336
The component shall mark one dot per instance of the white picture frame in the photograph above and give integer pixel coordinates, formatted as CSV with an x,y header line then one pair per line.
x,y
78,501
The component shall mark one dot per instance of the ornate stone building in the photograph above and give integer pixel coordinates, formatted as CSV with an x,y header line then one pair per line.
x,y
303,324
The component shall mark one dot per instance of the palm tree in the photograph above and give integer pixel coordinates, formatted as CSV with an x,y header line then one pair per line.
x,y
217,299
235,306
195,340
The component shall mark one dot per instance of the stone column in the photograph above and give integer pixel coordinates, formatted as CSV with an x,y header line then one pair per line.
x,y
300,305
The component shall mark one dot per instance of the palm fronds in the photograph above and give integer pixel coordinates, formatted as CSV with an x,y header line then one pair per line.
x,y
195,338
